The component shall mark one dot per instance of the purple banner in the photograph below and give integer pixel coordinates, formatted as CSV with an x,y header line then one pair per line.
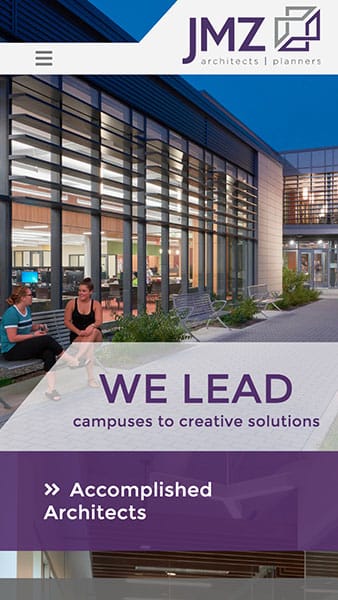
x,y
169,501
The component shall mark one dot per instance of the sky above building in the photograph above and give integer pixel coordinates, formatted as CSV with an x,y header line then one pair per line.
x,y
287,111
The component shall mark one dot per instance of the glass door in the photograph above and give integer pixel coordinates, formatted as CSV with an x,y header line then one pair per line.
x,y
305,258
320,268
314,264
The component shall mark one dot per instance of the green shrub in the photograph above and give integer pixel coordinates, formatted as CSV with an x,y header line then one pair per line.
x,y
145,327
242,313
4,382
296,290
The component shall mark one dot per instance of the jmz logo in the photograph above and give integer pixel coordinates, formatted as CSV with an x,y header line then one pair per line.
x,y
293,32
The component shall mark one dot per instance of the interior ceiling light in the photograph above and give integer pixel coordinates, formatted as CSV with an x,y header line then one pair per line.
x,y
35,226
109,207
181,571
83,202
156,582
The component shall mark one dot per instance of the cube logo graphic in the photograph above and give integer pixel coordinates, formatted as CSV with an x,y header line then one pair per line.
x,y
299,27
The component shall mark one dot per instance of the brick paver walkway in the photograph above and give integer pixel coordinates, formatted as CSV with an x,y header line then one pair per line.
x,y
316,322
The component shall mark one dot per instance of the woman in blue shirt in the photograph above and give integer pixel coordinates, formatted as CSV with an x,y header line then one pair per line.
x,y
22,340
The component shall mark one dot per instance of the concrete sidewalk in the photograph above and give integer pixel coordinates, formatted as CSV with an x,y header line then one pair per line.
x,y
12,396
315,322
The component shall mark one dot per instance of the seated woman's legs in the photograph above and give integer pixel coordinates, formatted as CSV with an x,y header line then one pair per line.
x,y
48,358
33,348
95,336
86,351
44,347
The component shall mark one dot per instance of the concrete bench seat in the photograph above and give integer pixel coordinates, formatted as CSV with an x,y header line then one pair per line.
x,y
196,309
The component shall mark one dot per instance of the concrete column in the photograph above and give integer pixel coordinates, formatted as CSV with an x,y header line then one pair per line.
x,y
270,222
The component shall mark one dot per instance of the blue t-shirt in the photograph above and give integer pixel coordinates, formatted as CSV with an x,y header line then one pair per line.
x,y
14,318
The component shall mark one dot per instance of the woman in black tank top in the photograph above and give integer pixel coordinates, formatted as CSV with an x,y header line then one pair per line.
x,y
80,320
83,317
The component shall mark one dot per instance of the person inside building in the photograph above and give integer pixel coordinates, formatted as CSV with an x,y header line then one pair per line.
x,y
134,282
83,317
23,340
149,279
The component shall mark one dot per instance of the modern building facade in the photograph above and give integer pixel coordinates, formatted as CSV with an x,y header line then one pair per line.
x,y
110,176
311,214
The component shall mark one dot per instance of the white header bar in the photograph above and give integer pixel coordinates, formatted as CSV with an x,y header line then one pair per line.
x,y
195,37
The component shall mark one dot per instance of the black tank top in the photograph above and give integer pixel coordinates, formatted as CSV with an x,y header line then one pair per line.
x,y
82,321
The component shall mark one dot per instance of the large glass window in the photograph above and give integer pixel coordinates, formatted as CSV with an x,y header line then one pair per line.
x,y
154,266
76,251
34,139
170,209
196,214
31,258
311,198
311,192
111,266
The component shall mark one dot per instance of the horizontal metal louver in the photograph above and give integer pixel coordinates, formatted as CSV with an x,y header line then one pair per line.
x,y
65,21
229,146
162,104
6,15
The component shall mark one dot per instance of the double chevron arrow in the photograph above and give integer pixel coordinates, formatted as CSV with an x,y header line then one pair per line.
x,y
51,489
